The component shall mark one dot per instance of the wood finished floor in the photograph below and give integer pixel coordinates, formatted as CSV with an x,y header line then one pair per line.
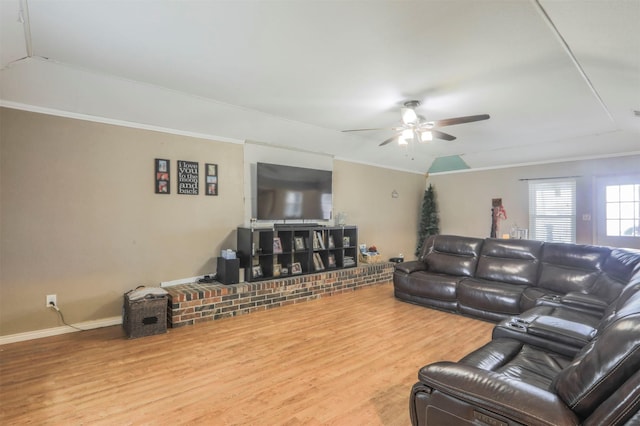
x,y
348,359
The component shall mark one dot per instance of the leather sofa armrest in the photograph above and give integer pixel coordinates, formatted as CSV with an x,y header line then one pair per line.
x,y
411,266
584,301
560,329
491,391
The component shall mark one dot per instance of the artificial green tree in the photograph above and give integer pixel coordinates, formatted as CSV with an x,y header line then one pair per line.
x,y
429,221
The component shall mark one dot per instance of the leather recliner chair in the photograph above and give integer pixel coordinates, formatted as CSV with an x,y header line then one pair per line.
x,y
509,382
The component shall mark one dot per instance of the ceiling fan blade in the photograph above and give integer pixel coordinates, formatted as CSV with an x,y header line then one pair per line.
x,y
364,130
460,120
391,139
442,135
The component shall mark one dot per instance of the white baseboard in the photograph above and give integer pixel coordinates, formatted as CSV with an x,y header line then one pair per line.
x,y
48,332
182,281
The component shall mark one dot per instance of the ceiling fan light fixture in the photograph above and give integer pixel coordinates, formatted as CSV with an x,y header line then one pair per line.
x,y
402,141
409,115
426,136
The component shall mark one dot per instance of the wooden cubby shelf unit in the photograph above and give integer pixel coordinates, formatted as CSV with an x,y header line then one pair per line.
x,y
283,251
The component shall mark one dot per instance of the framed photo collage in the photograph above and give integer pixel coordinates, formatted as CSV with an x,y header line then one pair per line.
x,y
187,177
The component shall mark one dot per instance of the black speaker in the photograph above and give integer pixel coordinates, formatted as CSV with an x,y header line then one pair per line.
x,y
228,271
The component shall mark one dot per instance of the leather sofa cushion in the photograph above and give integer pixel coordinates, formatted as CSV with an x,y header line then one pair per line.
x,y
429,285
511,261
619,269
518,361
571,267
453,255
601,367
492,296
622,264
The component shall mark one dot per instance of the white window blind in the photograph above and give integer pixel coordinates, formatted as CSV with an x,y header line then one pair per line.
x,y
552,210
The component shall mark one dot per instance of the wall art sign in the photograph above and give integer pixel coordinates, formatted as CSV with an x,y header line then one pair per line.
x,y
211,183
188,177
162,176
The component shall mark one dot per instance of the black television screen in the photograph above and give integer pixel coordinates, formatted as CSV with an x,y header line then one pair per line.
x,y
286,192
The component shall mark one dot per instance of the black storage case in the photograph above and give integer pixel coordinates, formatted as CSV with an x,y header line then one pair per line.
x,y
228,271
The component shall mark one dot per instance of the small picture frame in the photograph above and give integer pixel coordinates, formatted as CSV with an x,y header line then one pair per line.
x,y
331,260
162,182
331,243
277,245
346,241
298,243
211,179
296,268
256,271
277,270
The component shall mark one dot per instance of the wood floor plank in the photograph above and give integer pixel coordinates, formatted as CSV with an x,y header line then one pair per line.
x,y
342,360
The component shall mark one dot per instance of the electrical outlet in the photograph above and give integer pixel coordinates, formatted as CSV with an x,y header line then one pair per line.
x,y
51,298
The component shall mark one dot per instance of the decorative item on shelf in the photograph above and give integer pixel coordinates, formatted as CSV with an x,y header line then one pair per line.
x,y
277,270
341,218
369,254
519,233
227,254
346,241
299,243
349,261
296,268
331,260
277,245
331,243
257,271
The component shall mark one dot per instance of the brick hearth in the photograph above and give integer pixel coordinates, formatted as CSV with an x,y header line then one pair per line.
x,y
195,303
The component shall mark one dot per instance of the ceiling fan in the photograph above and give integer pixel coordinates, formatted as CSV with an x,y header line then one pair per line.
x,y
414,127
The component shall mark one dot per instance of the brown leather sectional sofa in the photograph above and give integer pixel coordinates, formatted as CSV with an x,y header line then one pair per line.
x,y
566,346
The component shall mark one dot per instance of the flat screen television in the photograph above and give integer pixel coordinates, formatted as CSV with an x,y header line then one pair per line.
x,y
287,193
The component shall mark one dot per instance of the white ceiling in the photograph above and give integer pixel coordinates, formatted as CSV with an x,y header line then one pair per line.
x,y
294,73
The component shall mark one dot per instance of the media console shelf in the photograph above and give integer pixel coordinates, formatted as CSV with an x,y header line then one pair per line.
x,y
267,253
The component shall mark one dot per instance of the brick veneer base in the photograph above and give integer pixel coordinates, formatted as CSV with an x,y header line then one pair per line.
x,y
195,303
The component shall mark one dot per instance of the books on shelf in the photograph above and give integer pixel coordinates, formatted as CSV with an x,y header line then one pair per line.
x,y
349,261
318,240
318,265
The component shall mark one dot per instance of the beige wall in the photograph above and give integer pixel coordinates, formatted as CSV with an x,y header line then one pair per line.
x,y
79,217
464,199
364,195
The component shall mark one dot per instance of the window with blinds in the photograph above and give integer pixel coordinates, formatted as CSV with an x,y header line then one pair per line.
x,y
552,210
